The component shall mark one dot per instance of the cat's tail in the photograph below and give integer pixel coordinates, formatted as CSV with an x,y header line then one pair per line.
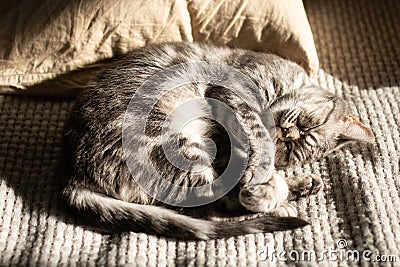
x,y
111,214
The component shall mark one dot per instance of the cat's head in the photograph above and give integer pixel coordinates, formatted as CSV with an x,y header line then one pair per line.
x,y
311,123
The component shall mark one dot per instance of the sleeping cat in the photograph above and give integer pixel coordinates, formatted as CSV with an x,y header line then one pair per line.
x,y
108,182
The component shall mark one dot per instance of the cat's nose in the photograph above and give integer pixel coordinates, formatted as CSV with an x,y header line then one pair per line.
x,y
285,131
291,133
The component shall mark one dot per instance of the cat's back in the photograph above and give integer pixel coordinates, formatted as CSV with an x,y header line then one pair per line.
x,y
128,72
112,88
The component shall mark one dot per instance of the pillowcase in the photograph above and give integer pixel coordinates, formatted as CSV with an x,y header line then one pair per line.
x,y
51,47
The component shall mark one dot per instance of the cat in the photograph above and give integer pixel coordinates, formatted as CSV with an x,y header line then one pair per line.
x,y
102,178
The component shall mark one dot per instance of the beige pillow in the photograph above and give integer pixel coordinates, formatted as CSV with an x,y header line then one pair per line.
x,y
48,46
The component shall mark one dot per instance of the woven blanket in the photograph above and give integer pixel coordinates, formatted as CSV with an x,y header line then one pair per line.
x,y
355,220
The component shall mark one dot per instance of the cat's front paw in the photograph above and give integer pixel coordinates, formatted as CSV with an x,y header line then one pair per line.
x,y
286,210
266,197
304,185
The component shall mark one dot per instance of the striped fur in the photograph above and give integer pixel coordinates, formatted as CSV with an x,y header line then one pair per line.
x,y
100,187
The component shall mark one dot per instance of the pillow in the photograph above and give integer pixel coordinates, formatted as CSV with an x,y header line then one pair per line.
x,y
49,47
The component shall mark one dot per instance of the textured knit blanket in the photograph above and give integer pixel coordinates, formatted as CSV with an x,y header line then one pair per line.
x,y
355,220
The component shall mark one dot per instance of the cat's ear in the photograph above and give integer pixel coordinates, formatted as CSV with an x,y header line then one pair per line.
x,y
354,130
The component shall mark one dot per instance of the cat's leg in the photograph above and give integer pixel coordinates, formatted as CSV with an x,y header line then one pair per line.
x,y
260,159
270,197
179,145
304,185
185,157
262,189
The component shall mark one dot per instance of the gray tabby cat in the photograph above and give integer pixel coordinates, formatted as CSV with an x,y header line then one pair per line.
x,y
310,123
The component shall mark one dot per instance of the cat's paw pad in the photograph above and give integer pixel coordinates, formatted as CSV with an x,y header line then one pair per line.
x,y
286,210
304,185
